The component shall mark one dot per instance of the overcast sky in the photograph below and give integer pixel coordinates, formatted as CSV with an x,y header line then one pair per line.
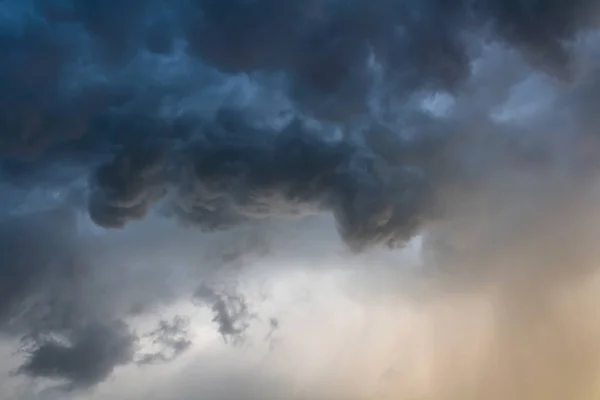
x,y
299,199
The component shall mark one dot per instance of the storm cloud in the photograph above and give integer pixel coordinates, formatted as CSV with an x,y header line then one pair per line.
x,y
89,355
151,148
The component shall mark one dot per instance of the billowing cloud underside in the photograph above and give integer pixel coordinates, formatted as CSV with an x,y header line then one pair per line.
x,y
222,113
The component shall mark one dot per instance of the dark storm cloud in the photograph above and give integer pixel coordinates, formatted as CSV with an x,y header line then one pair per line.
x,y
380,187
542,29
35,249
39,275
323,47
105,88
238,172
127,187
80,357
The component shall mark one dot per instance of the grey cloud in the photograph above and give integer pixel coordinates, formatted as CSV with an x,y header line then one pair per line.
x,y
235,171
40,274
323,46
118,90
230,312
172,339
64,286
81,357
35,251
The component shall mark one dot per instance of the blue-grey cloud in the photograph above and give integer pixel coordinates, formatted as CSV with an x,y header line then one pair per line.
x,y
172,340
138,100
80,357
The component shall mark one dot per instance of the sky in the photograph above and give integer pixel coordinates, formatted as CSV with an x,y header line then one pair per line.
x,y
299,199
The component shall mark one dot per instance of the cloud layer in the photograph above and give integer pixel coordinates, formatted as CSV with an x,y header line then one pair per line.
x,y
155,153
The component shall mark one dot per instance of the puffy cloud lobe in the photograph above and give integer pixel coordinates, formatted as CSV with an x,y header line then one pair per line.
x,y
325,48
127,187
81,357
237,173
381,187
542,29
